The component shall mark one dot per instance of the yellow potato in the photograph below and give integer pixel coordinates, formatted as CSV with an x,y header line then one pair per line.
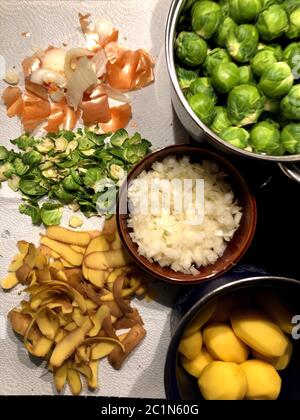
x,y
264,383
201,319
9,281
223,344
258,331
106,260
72,257
68,236
273,305
191,346
80,249
97,244
196,366
116,243
279,363
223,381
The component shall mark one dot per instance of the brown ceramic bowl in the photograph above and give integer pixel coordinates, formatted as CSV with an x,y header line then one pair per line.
x,y
236,248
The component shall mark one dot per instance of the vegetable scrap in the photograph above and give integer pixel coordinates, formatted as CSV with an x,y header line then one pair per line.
x,y
76,310
82,169
63,85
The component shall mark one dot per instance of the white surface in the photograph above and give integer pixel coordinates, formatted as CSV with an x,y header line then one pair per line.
x,y
54,22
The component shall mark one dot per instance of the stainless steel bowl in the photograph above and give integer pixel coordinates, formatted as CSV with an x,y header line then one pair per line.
x,y
190,121
291,170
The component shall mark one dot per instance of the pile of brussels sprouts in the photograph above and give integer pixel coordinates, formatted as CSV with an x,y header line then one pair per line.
x,y
238,64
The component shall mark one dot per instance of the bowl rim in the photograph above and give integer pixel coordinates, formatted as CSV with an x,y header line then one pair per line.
x,y
180,278
173,15
204,300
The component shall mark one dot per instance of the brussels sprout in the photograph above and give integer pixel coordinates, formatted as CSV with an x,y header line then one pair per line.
x,y
224,4
265,138
206,18
190,48
61,144
69,184
84,144
116,170
202,85
272,22
92,176
272,105
215,57
186,77
31,210
262,60
268,3
31,158
292,56
294,27
45,146
4,153
225,76
50,173
30,186
119,138
204,107
237,136
14,182
290,138
135,152
189,4
51,214
244,10
63,195
20,167
221,120
276,80
290,104
222,33
6,170
24,142
246,75
242,42
244,105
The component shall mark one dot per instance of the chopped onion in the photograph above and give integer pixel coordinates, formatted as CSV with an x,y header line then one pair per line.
x,y
83,78
41,76
54,59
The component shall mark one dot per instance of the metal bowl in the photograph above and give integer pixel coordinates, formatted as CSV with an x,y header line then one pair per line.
x,y
291,170
190,121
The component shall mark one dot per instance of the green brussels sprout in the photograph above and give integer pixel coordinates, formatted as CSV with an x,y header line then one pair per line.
x,y
290,104
225,76
242,42
272,105
32,187
244,10
244,105
276,80
45,146
246,75
221,120
186,77
292,56
294,27
204,107
275,48
222,33
31,158
272,22
33,211
290,138
4,153
189,4
202,85
69,184
237,136
14,182
206,18
262,60
51,214
265,138
224,4
268,3
6,171
119,138
92,176
190,48
215,57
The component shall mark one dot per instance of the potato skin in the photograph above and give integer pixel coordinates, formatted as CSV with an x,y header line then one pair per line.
x,y
191,346
223,344
259,332
223,381
264,383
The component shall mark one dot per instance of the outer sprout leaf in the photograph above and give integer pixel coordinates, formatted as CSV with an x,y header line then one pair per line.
x,y
51,214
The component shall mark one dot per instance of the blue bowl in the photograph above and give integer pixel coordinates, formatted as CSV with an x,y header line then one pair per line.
x,y
179,385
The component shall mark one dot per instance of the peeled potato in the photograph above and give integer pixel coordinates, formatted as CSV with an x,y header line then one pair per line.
x,y
271,303
264,383
200,319
191,346
257,330
279,363
223,344
196,366
223,381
